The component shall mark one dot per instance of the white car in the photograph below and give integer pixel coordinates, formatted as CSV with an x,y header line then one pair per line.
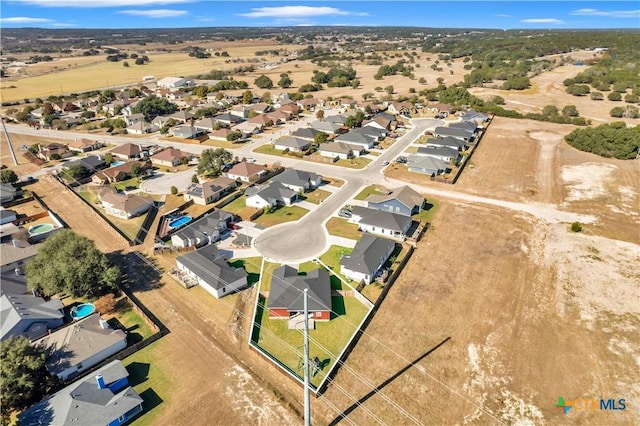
x,y
250,160
385,163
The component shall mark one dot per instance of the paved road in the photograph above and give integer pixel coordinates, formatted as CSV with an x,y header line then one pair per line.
x,y
161,183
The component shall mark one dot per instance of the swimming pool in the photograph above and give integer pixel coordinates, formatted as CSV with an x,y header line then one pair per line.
x,y
83,310
180,221
40,229
117,163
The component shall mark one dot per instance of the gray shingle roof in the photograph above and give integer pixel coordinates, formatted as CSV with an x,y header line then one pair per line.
x,y
295,177
84,403
404,194
275,192
452,131
353,137
205,225
292,142
447,141
466,125
287,289
305,133
209,265
17,312
443,151
206,189
387,220
368,254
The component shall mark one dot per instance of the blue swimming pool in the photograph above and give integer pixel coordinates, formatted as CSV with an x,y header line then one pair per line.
x,y
180,221
117,163
83,310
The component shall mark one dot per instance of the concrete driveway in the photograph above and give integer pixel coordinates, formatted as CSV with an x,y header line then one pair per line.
x,y
161,183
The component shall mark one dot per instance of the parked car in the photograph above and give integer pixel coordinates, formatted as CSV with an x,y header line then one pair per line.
x,y
344,213
385,163
250,160
428,133
401,160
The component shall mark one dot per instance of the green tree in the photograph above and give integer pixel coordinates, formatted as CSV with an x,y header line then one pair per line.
x,y
152,107
578,90
266,97
174,190
389,89
75,172
213,160
263,82
194,178
23,376
285,81
8,176
136,169
570,111
70,263
108,158
576,227
614,96
597,96
422,80
234,136
320,114
247,96
320,138
550,111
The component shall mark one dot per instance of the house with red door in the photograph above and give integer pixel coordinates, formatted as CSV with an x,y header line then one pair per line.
x,y
286,297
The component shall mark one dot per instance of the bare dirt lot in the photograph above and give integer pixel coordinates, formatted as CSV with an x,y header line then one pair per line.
x,y
526,324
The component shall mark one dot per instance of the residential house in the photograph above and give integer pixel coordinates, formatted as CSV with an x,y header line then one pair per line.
x,y
15,252
403,108
310,104
355,138
54,150
290,108
271,195
426,165
103,398
374,108
381,222
8,193
64,107
458,133
453,143
141,128
469,126
341,150
298,180
440,107
84,145
247,128
187,132
134,118
182,116
246,172
212,272
203,231
372,132
221,134
367,258
286,297
74,349
161,120
292,144
338,118
440,152
381,121
92,163
263,120
305,133
127,151
209,124
328,127
474,116
260,108
208,192
169,157
124,206
29,316
7,216
403,200
174,82
278,116
227,119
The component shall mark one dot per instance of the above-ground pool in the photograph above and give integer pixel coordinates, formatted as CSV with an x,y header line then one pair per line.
x,y
180,221
117,163
83,310
40,229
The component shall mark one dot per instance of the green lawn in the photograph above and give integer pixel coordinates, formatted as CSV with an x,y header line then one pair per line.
x,y
354,163
269,267
133,182
268,149
326,341
342,228
430,210
332,257
251,265
149,380
366,192
282,215
90,196
239,207
137,327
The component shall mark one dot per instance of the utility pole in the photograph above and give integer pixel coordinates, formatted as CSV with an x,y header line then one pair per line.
x,y
13,154
307,403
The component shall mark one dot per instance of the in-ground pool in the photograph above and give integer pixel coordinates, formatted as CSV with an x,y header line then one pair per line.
x,y
180,221
117,163
40,229
83,310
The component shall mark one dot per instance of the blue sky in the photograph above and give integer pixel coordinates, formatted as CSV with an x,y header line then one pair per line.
x,y
211,13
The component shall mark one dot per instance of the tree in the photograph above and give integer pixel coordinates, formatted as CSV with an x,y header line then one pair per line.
x,y
125,64
194,178
389,89
23,375
70,263
614,96
576,227
213,160
75,172
320,114
174,190
285,81
266,98
570,111
422,80
136,169
550,111
108,158
234,136
152,107
597,96
247,96
263,82
8,176
320,138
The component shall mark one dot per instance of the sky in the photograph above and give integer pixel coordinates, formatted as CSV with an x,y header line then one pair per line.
x,y
556,14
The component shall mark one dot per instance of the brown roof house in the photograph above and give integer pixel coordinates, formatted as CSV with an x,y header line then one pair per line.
x,y
117,173
127,151
84,145
208,192
124,206
246,172
54,151
169,157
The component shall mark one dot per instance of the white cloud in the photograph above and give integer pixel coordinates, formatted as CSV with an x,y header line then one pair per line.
x,y
543,21
297,12
611,14
156,13
502,15
25,20
100,3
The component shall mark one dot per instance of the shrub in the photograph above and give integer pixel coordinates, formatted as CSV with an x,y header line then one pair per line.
x,y
174,190
576,227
